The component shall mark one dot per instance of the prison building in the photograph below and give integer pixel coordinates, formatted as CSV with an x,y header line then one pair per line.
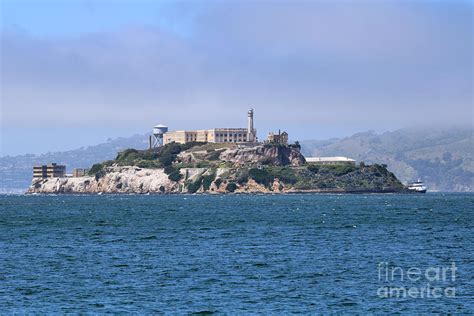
x,y
215,135
52,170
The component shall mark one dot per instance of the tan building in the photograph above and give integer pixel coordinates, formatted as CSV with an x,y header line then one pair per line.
x,y
215,135
79,172
52,170
280,138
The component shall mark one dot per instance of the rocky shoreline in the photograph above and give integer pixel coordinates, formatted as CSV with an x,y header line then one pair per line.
x,y
133,180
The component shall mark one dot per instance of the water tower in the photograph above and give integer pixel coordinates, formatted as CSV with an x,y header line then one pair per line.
x,y
156,138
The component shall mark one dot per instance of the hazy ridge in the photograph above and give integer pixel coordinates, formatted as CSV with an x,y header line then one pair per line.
x,y
443,158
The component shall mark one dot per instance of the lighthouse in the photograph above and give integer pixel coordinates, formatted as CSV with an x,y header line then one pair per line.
x,y
250,130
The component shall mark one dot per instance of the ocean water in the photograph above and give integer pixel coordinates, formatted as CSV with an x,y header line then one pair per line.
x,y
237,254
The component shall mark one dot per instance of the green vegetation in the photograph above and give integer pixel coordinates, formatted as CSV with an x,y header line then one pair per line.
x,y
261,176
338,169
130,157
207,181
175,176
313,168
153,158
173,173
218,182
150,164
170,169
285,174
242,176
346,177
168,153
193,186
231,187
98,169
95,168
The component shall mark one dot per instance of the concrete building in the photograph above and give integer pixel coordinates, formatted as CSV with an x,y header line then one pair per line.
x,y
280,138
79,172
52,170
215,135
330,160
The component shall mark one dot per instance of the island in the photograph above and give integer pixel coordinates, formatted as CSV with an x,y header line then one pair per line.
x,y
218,168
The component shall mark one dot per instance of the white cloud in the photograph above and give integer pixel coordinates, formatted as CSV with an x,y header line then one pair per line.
x,y
310,63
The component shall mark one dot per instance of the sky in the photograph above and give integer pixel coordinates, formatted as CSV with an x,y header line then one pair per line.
x,y
75,73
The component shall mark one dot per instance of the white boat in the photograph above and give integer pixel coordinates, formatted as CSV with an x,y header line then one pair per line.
x,y
417,186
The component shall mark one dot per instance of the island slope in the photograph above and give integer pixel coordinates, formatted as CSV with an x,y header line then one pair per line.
x,y
221,168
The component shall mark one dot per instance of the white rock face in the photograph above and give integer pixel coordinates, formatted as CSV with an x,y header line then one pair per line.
x,y
116,180
136,180
277,156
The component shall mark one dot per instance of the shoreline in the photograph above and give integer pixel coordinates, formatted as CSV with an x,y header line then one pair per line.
x,y
308,192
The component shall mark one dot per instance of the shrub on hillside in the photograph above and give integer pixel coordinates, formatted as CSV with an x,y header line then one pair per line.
x,y
132,156
170,169
148,164
207,181
285,174
242,176
341,169
231,187
194,186
261,176
218,182
336,170
126,153
313,168
175,176
99,168
166,158
95,168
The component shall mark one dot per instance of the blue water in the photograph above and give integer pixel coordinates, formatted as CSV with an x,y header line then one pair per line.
x,y
231,254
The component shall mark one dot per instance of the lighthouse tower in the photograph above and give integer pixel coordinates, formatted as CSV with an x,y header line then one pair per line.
x,y
250,130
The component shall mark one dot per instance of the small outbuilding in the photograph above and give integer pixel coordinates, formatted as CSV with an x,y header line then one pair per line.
x,y
330,160
280,138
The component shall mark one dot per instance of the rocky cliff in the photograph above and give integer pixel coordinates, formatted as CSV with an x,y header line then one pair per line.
x,y
270,155
213,168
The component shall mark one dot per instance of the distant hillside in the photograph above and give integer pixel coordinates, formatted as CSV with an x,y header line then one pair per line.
x,y
442,158
16,171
